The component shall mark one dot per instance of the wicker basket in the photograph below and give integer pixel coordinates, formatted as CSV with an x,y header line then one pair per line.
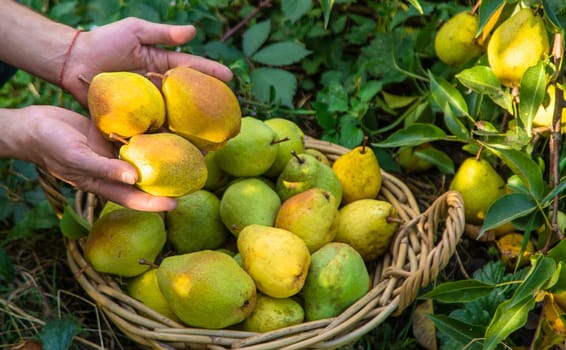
x,y
420,249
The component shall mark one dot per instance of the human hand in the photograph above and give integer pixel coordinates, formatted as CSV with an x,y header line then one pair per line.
x,y
71,148
130,45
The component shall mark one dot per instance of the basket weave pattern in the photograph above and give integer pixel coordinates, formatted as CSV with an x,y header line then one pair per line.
x,y
420,249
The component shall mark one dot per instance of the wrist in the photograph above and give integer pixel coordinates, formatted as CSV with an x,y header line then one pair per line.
x,y
15,141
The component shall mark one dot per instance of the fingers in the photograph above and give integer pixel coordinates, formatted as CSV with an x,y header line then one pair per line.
x,y
202,64
150,33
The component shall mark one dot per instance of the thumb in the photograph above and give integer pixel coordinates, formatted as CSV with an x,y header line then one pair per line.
x,y
150,33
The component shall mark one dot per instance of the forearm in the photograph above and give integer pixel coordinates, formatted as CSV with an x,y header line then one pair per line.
x,y
13,141
32,42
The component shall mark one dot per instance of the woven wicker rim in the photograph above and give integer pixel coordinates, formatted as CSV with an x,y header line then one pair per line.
x,y
421,248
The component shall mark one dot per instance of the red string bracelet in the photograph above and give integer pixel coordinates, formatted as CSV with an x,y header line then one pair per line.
x,y
67,54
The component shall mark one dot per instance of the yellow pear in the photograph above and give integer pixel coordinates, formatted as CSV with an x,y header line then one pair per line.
x,y
311,215
207,289
517,44
359,173
368,226
455,42
545,113
277,259
273,313
509,246
167,164
480,185
145,288
200,107
119,239
125,104
318,155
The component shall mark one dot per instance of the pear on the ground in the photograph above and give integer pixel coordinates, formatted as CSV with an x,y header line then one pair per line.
x,y
520,42
273,313
145,288
368,225
480,186
195,223
337,278
250,153
311,215
125,104
200,107
120,239
167,164
207,289
277,259
248,201
291,138
455,42
359,174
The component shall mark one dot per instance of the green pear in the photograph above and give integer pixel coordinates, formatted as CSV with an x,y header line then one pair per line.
x,y
480,186
411,162
368,225
207,289
248,201
145,288
251,152
277,259
337,278
125,104
304,171
323,158
195,223
273,313
311,215
217,178
167,164
108,207
291,138
121,238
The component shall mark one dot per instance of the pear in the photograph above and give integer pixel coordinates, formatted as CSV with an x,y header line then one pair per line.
x,y
455,42
252,152
367,225
167,164
337,278
121,238
108,207
291,138
125,104
195,223
302,172
409,161
207,289
248,201
217,178
480,186
520,42
311,215
273,313
145,288
359,174
277,259
318,155
200,107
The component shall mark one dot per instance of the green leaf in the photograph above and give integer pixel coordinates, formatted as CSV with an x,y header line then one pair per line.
x,y
444,94
351,135
482,80
559,279
531,95
459,291
435,156
369,89
281,54
255,36
283,83
523,166
462,332
486,10
73,225
417,6
558,252
6,267
295,9
58,334
506,320
413,135
506,209
326,10
550,14
455,125
541,272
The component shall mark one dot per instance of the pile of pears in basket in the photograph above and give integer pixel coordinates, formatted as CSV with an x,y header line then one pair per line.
x,y
267,234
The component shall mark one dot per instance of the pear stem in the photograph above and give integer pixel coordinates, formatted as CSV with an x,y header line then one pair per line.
x,y
155,75
143,261
364,144
115,137
83,79
299,159
274,142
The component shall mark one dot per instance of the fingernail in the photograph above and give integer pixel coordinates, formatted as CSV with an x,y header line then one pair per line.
x,y
128,178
